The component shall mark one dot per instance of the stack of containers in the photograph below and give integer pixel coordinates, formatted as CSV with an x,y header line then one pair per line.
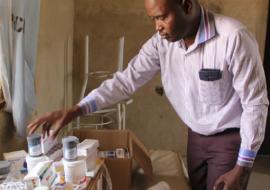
x,y
34,151
74,165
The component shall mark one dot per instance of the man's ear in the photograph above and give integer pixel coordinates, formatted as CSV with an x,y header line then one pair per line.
x,y
187,5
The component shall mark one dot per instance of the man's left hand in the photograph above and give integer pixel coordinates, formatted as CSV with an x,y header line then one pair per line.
x,y
235,179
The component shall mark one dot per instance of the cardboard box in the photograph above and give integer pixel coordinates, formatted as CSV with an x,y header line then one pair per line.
x,y
120,169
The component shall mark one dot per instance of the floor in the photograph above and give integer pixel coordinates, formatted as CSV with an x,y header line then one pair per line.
x,y
260,177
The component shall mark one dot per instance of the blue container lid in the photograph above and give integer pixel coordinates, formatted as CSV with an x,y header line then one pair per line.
x,y
70,142
34,139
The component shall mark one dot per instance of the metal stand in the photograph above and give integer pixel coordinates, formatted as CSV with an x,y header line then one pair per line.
x,y
104,116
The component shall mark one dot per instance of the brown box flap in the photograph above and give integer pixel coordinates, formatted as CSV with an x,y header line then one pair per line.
x,y
140,154
120,173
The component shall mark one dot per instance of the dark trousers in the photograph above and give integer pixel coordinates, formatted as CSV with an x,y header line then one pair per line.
x,y
209,157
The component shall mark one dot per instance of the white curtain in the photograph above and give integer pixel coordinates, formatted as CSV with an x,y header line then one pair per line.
x,y
22,24
5,52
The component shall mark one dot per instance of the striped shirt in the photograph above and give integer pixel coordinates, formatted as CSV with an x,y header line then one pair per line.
x,y
237,100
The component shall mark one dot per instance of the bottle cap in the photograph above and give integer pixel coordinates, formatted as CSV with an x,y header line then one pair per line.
x,y
70,142
34,139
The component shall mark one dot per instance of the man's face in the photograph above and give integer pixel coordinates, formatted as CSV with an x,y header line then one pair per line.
x,y
169,17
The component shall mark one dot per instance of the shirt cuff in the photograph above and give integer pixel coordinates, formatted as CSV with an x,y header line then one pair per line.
x,y
246,157
88,105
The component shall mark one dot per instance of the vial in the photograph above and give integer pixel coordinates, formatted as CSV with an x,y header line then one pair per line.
x,y
34,145
70,148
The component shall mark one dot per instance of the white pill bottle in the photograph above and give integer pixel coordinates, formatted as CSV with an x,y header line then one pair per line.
x,y
74,166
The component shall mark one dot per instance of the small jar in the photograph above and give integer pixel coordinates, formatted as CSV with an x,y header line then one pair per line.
x,y
70,148
34,145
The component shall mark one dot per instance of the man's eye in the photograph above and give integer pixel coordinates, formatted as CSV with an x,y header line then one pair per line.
x,y
162,17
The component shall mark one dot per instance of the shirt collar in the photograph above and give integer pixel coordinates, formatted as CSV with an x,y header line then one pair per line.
x,y
206,31
207,28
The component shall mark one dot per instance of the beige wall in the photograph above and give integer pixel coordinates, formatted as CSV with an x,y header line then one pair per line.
x,y
150,116
54,59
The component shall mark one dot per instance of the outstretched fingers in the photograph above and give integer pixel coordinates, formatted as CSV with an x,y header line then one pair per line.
x,y
57,119
46,127
32,127
58,126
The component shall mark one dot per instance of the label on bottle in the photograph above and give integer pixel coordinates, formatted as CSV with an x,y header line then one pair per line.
x,y
35,150
70,154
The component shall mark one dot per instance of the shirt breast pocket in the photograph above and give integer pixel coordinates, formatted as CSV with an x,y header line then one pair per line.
x,y
212,86
212,92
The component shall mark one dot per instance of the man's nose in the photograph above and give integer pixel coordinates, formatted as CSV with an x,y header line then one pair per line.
x,y
158,26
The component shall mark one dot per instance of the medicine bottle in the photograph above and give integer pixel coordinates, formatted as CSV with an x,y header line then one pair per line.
x,y
70,148
34,145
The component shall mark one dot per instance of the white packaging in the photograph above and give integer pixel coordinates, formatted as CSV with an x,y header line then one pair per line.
x,y
31,183
75,171
120,153
11,185
56,152
16,158
88,148
91,161
42,174
33,161
66,186
15,155
48,143
49,176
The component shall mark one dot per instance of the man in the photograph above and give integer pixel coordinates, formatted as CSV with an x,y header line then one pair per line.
x,y
212,75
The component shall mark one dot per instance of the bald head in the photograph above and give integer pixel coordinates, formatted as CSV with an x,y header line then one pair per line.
x,y
151,3
170,2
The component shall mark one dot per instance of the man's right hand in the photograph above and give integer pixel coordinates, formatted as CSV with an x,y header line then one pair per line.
x,y
56,120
